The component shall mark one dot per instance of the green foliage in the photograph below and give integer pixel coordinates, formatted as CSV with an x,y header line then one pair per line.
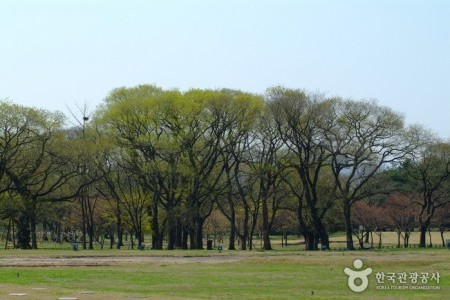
x,y
166,159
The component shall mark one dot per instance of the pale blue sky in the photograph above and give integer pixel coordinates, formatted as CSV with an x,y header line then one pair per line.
x,y
56,53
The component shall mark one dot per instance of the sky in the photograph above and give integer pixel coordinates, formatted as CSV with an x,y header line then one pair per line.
x,y
60,55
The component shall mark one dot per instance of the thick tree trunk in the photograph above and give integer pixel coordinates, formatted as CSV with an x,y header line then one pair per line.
x,y
309,240
425,216
244,236
423,228
423,236
348,226
266,229
308,234
232,238
139,237
196,233
33,231
192,239
243,241
23,232
323,234
171,239
180,232
157,243
185,239
199,233
157,239
266,240
172,226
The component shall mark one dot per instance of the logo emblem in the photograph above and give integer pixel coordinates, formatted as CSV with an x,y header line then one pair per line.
x,y
353,275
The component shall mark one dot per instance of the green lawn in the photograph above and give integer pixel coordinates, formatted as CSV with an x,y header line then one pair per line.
x,y
244,275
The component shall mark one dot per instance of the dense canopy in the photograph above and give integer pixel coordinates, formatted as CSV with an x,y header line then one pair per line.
x,y
182,166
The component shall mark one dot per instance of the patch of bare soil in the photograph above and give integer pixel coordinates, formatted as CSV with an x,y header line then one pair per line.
x,y
95,261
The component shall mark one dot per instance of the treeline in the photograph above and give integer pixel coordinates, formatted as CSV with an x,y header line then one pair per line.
x,y
162,161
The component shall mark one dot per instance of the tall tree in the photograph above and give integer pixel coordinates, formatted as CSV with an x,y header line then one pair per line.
x,y
39,162
362,138
144,121
240,111
266,162
206,133
301,119
430,175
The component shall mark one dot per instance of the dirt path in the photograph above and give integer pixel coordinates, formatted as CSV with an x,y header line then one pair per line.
x,y
111,260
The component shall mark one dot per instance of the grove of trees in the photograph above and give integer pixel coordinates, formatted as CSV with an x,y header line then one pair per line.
x,y
166,163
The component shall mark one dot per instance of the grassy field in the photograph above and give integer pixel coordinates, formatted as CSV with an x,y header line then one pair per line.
x,y
337,241
279,274
389,240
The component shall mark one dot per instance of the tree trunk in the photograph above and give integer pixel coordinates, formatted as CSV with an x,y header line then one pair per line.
x,y
185,239
231,245
171,223
33,231
250,238
429,234
425,216
309,240
406,240
132,240
157,243
83,221
199,233
192,239
266,240
244,236
23,232
180,232
255,214
8,233
112,240
266,230
366,237
348,226
90,225
232,215
139,237
423,235
196,233
119,225
324,239
308,234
